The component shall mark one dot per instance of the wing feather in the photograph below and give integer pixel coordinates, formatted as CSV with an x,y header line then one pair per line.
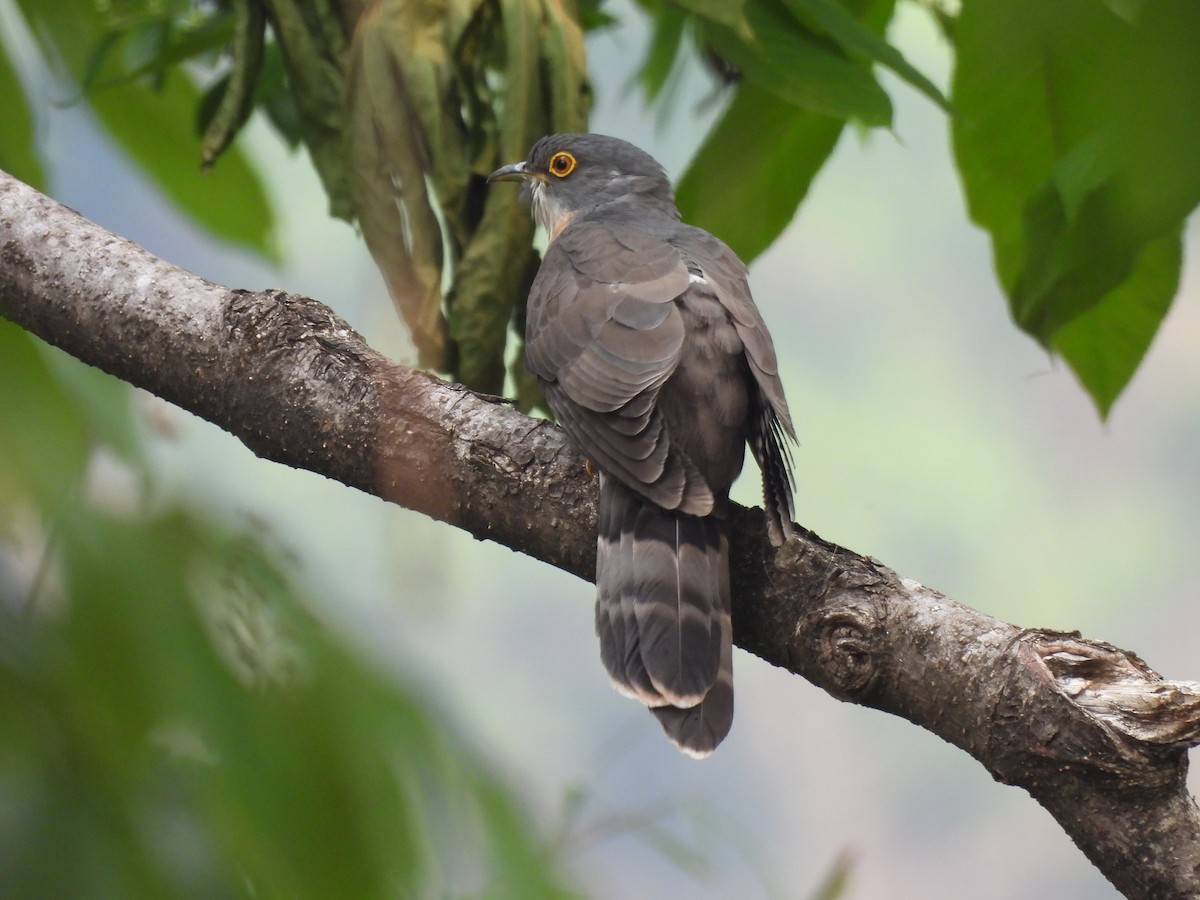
x,y
603,335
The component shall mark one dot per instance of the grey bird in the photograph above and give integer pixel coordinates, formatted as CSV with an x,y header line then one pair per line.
x,y
657,364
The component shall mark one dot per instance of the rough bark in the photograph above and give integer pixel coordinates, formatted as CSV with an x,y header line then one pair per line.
x,y
1089,730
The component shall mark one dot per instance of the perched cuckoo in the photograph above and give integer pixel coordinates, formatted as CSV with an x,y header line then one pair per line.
x,y
654,359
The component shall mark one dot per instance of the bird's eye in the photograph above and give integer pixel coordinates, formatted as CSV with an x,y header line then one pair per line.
x,y
562,164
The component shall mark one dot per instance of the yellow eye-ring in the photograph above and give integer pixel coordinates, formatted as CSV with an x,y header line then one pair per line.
x,y
562,164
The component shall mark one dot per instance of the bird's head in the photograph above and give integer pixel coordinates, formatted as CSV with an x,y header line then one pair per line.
x,y
568,174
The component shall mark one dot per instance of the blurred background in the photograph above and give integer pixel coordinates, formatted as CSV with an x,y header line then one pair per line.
x,y
934,437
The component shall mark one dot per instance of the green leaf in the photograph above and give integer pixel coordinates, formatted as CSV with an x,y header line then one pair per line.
x,y
43,442
1105,345
237,99
157,130
1129,10
835,20
18,150
315,60
206,36
593,16
56,410
729,13
837,880
801,68
665,44
746,191
1077,147
480,302
272,96
103,403
157,127
564,64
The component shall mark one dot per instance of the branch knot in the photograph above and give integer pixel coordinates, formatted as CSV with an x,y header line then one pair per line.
x,y
845,634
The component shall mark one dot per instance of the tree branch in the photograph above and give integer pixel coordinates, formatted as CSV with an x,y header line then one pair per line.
x,y
1089,730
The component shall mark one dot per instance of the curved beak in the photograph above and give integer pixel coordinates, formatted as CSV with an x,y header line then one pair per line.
x,y
513,172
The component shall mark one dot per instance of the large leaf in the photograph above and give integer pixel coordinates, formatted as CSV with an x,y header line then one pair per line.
x,y
156,127
768,175
18,153
836,21
1077,148
314,53
757,163
800,67
480,304
730,13
666,41
394,73
1105,344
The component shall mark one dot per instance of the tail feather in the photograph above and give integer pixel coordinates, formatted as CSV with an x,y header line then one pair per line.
x,y
662,614
616,620
674,592
698,730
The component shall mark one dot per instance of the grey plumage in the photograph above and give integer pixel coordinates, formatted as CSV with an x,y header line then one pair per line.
x,y
643,334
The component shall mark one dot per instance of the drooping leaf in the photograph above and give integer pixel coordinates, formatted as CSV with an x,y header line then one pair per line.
x,y
155,127
1077,149
481,304
274,98
207,36
833,19
1106,344
481,298
801,68
18,151
837,880
314,48
593,16
730,14
237,100
754,168
565,64
392,59
538,56
665,44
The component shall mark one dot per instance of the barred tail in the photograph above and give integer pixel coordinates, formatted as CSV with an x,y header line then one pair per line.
x,y
663,614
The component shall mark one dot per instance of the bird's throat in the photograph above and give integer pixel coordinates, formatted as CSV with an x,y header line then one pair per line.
x,y
548,212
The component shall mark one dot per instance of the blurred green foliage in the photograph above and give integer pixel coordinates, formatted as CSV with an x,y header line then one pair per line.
x,y
18,152
125,62
172,723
